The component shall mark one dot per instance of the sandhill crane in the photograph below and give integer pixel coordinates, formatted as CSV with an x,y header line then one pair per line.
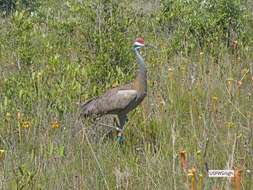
x,y
121,100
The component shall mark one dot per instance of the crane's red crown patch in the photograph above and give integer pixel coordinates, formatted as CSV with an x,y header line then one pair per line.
x,y
139,42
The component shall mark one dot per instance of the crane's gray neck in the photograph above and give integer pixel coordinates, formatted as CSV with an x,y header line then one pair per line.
x,y
140,60
141,75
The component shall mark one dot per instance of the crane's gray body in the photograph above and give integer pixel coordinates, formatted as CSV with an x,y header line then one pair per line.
x,y
120,100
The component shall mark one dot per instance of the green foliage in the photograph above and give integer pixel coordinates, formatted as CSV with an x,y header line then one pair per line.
x,y
8,6
205,24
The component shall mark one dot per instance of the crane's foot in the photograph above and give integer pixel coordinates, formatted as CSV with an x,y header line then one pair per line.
x,y
120,138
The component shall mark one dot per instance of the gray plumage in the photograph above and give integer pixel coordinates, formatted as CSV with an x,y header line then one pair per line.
x,y
120,100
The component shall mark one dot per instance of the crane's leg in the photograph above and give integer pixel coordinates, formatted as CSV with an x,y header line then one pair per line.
x,y
122,120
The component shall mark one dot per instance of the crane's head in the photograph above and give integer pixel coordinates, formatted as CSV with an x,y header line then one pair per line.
x,y
138,43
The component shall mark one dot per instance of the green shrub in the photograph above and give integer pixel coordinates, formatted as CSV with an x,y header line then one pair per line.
x,y
211,24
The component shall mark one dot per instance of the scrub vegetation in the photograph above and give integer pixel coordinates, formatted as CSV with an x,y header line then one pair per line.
x,y
197,115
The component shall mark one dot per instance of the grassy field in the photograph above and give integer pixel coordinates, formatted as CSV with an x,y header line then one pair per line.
x,y
198,114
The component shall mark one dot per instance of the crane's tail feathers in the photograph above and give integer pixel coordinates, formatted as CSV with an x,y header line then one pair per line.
x,y
86,108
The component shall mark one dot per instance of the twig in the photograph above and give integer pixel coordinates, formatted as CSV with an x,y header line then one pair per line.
x,y
110,126
173,154
18,64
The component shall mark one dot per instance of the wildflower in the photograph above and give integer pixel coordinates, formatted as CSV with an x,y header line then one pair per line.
x,y
201,53
229,84
234,44
170,69
26,124
170,73
192,174
229,81
8,115
2,154
55,124
215,98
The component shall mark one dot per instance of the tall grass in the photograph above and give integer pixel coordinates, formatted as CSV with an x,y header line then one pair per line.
x,y
55,55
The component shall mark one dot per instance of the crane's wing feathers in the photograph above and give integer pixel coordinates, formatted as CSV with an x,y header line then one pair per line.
x,y
112,102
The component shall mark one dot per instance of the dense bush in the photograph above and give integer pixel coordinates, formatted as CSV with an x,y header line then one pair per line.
x,y
211,24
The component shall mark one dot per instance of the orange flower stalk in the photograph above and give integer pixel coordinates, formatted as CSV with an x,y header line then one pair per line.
x,y
183,161
237,179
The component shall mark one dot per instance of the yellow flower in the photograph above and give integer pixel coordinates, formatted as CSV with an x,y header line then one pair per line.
x,y
170,69
2,154
170,73
8,115
229,83
39,74
55,124
192,174
229,80
215,98
230,125
115,84
26,124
